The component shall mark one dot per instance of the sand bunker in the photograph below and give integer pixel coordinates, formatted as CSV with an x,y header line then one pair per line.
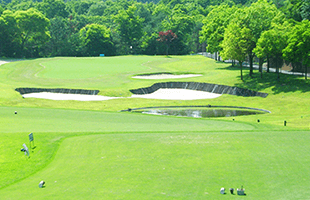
x,y
2,62
166,76
167,94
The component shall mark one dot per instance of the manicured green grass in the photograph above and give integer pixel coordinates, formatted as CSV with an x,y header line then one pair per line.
x,y
173,166
81,68
92,150
49,126
74,121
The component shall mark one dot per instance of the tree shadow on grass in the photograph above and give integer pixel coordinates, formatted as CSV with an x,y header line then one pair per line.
x,y
286,83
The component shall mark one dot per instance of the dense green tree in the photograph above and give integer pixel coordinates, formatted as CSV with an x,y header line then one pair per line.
x,y
97,40
236,44
151,46
172,3
32,30
162,12
61,31
1,9
272,42
292,9
305,10
130,28
143,12
52,8
113,7
16,5
136,24
9,43
182,25
279,3
194,43
257,18
108,8
79,7
97,9
214,26
298,48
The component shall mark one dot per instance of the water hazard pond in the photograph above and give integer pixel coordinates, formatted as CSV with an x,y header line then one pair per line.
x,y
200,111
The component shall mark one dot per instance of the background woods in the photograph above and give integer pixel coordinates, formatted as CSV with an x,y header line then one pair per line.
x,y
232,29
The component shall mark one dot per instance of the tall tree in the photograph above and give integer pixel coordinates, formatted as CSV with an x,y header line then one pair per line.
x,y
214,26
235,44
257,18
61,30
33,30
52,8
298,48
9,42
97,40
130,28
272,42
182,25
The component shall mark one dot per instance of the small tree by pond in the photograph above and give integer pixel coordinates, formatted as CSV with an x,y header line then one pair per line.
x,y
166,37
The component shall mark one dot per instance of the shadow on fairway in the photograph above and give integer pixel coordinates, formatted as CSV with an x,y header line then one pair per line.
x,y
286,83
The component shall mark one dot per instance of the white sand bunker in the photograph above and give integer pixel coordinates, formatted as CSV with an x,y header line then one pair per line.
x,y
178,94
166,76
167,94
61,96
2,62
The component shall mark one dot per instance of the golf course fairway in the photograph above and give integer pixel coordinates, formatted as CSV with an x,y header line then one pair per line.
x,y
92,150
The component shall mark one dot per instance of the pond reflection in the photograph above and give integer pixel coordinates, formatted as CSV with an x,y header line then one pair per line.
x,y
201,112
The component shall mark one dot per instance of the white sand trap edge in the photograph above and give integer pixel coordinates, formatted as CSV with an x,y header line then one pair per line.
x,y
166,76
2,62
178,94
61,96
165,94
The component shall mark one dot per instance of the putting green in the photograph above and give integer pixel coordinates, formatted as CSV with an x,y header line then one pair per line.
x,y
173,166
81,68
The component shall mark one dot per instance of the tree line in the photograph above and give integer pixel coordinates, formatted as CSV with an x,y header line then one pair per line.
x,y
260,30
237,29
89,28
